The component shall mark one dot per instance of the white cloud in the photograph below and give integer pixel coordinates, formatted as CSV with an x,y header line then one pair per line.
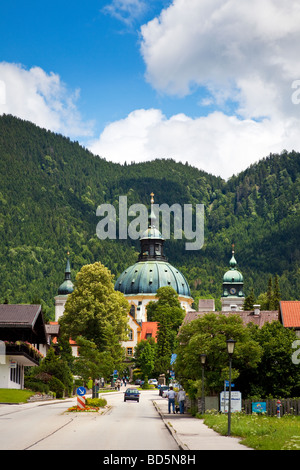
x,y
126,11
242,52
41,98
247,51
219,144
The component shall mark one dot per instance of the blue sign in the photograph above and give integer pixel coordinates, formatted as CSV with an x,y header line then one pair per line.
x,y
173,358
227,383
259,407
81,391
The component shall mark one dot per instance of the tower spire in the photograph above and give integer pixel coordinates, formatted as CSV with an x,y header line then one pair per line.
x,y
152,218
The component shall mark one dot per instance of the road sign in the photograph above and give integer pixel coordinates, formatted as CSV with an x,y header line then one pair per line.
x,y
173,359
227,384
236,401
81,391
81,402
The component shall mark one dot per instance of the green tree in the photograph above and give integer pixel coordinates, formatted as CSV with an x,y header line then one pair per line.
x,y
91,363
249,301
168,313
54,367
145,353
95,310
276,293
276,375
208,335
270,301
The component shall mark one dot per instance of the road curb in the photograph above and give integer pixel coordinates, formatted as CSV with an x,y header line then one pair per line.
x,y
170,428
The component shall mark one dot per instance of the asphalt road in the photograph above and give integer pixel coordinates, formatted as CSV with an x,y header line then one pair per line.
x,y
46,426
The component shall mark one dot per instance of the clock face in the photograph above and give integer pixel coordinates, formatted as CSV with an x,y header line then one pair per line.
x,y
232,290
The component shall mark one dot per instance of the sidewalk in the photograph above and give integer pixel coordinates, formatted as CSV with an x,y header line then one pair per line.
x,y
192,434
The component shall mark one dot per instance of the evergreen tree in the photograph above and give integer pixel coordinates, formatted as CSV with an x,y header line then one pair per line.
x,y
270,298
249,301
276,293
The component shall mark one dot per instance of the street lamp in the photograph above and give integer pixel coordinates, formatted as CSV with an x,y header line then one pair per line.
x,y
230,349
203,360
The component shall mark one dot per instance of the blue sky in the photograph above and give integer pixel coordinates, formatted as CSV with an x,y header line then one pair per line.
x,y
204,81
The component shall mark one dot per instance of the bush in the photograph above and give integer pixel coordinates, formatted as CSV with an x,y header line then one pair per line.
x,y
99,402
36,385
57,387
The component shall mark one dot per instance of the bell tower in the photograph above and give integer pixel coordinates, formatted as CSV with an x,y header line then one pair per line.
x,y
233,296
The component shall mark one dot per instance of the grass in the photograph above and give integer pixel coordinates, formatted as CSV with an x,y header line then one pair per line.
x,y
258,431
9,395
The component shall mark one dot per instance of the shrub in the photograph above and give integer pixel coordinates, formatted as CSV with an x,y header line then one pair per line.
x,y
57,387
36,385
99,402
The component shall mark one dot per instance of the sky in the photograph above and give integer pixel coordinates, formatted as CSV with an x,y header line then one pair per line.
x,y
215,83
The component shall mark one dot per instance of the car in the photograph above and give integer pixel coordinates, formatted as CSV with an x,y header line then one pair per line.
x,y
162,389
153,382
132,394
137,382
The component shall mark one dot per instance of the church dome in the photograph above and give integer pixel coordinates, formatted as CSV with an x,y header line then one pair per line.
x,y
66,288
152,270
146,277
233,275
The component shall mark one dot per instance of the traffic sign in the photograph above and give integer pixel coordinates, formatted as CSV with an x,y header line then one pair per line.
x,y
81,391
227,384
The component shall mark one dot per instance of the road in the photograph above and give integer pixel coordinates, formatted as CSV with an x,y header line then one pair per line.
x,y
46,426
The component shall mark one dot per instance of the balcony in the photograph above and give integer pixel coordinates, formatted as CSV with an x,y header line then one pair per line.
x,y
27,354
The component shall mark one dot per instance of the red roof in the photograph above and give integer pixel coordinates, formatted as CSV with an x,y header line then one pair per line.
x,y
149,329
265,316
290,313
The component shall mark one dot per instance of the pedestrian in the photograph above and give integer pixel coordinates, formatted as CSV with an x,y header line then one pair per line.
x,y
181,400
171,399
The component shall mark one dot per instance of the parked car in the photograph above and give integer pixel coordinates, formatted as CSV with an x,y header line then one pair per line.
x,y
162,389
153,382
137,382
131,394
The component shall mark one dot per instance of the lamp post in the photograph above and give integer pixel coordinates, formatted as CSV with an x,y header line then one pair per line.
x,y
203,360
230,349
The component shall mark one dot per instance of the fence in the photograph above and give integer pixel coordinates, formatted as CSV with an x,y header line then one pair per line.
x,y
288,406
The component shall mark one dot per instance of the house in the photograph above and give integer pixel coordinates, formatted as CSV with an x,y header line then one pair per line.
x,y
149,330
256,316
289,314
23,342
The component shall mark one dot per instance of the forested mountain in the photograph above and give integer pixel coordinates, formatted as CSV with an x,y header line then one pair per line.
x,y
50,188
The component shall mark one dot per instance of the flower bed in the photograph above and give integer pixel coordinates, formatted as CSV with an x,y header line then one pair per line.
x,y
92,405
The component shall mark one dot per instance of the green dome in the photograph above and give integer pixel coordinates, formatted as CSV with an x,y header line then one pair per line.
x,y
233,275
146,277
151,233
67,286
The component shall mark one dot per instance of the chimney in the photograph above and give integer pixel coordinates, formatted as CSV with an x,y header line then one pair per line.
x,y
256,309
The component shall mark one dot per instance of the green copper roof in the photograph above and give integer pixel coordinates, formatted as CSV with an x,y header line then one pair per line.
x,y
152,270
146,277
67,286
233,275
